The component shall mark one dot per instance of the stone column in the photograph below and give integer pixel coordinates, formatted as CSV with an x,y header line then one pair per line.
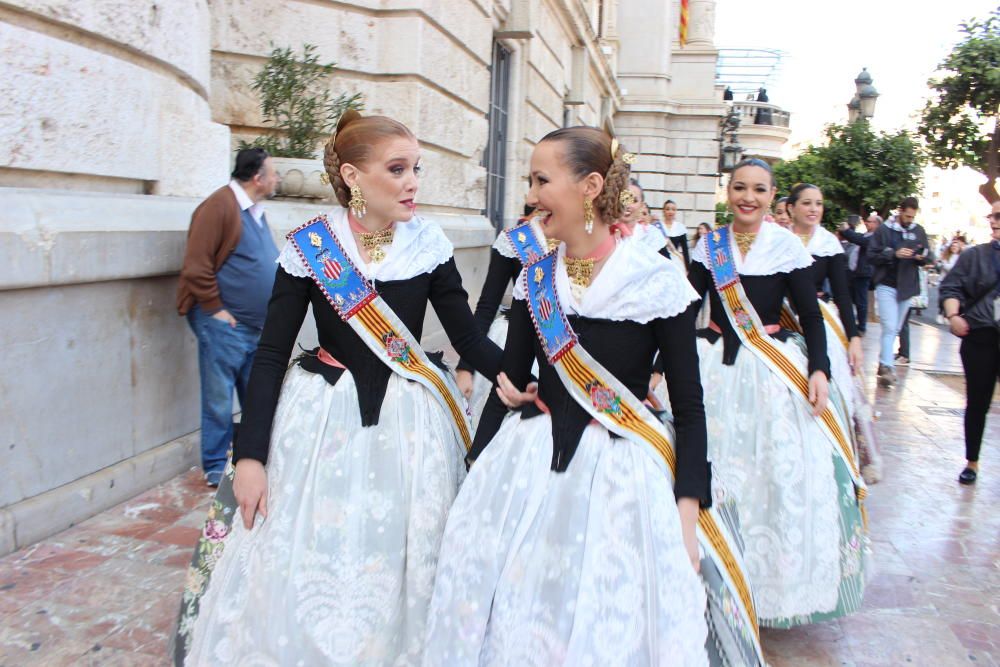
x,y
701,23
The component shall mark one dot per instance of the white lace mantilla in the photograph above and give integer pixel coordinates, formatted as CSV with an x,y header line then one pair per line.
x,y
823,244
418,246
635,284
775,250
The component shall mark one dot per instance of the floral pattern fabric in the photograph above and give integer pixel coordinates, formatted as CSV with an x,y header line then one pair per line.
x,y
585,567
342,570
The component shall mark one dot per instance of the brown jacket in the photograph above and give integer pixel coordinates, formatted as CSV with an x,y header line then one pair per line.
x,y
212,237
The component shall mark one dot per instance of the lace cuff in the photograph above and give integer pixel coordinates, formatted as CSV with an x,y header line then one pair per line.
x,y
290,260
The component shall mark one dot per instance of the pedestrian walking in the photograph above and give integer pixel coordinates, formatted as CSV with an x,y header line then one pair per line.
x,y
777,444
970,300
676,231
861,269
328,556
897,250
225,284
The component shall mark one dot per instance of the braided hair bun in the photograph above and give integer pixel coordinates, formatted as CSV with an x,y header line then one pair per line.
x,y
588,150
353,142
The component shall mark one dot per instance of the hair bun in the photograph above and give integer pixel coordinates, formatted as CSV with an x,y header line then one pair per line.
x,y
347,118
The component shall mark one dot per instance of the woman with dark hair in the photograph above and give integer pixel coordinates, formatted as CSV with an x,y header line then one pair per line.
x,y
970,300
327,556
675,230
776,444
558,519
829,276
781,213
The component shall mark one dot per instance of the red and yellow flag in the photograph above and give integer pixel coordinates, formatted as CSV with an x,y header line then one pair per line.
x,y
683,35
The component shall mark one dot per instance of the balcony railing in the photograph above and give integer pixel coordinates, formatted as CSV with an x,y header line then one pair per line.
x,y
761,113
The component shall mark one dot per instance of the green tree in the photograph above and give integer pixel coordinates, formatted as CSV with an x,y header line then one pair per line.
x,y
723,216
296,102
959,123
857,169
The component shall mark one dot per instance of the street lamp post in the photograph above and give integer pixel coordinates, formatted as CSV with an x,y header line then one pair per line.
x,y
862,105
731,152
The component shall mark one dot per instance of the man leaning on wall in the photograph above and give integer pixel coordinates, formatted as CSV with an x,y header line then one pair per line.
x,y
224,288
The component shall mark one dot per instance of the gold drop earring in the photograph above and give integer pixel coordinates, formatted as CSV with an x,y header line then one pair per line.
x,y
588,216
358,205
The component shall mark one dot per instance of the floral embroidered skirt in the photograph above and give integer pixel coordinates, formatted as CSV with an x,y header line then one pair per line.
x,y
584,567
800,521
342,570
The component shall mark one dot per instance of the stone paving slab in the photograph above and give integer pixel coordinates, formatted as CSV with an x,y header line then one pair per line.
x,y
106,592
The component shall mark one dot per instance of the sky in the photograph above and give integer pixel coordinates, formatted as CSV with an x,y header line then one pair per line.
x,y
826,44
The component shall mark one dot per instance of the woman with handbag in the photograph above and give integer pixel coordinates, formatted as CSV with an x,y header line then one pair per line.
x,y
970,300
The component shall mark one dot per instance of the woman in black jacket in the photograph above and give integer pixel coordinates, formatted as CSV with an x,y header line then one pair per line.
x,y
970,299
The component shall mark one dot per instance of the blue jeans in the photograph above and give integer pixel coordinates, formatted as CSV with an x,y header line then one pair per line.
x,y
891,314
225,355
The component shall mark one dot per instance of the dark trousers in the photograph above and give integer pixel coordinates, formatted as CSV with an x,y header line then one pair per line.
x,y
859,293
981,361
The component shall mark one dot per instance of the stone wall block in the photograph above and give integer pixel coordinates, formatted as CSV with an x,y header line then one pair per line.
x,y
673,183
705,202
682,165
150,27
703,148
653,145
701,184
708,166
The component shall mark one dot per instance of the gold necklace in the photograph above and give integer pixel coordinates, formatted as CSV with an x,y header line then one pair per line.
x,y
804,237
744,240
373,242
579,271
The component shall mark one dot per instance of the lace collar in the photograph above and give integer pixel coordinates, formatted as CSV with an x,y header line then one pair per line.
x,y
775,250
823,244
635,284
418,246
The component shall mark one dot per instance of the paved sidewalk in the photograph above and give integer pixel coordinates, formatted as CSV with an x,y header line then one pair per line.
x,y
106,592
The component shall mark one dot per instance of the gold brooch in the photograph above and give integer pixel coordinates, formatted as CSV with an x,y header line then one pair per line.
x,y
744,240
315,240
552,243
374,241
539,274
521,237
628,158
626,198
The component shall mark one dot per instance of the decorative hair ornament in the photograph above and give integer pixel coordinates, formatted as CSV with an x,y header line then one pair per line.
x,y
358,205
628,158
614,148
626,198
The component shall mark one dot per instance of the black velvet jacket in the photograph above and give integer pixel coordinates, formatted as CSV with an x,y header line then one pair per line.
x,y
767,293
407,298
501,272
833,268
626,349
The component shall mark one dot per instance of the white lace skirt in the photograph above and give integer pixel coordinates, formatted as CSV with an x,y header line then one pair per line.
x,y
585,567
772,456
342,570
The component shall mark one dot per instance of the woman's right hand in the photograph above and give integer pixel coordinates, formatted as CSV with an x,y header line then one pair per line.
x,y
959,326
464,380
511,396
250,489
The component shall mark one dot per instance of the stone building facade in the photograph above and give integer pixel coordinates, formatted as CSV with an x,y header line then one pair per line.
x,y
120,116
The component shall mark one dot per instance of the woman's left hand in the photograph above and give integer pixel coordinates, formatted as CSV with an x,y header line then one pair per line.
x,y
819,391
511,396
855,356
688,509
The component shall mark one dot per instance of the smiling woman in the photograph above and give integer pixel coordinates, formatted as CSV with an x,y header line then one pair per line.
x,y
327,556
778,445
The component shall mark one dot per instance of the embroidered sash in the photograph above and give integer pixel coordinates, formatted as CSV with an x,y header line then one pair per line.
x,y
526,244
732,612
750,329
359,305
834,327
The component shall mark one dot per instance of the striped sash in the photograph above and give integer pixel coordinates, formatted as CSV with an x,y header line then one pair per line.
x,y
732,614
746,322
359,305
834,327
